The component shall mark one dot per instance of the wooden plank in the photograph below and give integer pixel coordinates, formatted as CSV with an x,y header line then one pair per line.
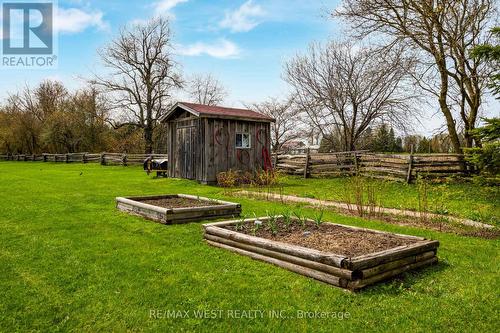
x,y
342,273
330,167
374,259
305,253
372,271
390,171
324,277
353,285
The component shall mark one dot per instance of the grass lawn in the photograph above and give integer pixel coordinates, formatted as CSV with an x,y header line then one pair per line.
x,y
467,200
69,261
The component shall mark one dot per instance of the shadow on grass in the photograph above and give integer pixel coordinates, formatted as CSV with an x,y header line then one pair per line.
x,y
404,282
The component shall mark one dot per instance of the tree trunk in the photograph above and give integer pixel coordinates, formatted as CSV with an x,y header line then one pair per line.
x,y
450,124
443,95
148,139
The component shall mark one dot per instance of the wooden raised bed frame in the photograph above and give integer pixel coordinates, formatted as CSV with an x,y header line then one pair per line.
x,y
349,273
220,209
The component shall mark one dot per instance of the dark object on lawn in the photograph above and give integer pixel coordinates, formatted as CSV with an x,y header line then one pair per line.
x,y
177,208
392,254
158,166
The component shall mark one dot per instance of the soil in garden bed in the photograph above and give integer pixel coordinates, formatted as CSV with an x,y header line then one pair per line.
x,y
178,202
326,237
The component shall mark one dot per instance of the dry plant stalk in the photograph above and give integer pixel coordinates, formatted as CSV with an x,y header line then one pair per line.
x,y
358,187
423,202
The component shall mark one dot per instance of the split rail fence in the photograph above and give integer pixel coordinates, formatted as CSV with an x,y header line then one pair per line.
x,y
102,158
397,167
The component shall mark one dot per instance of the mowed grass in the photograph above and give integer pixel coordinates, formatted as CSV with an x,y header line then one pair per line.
x,y
69,261
467,199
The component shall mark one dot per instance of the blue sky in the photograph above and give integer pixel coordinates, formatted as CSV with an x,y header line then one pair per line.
x,y
243,43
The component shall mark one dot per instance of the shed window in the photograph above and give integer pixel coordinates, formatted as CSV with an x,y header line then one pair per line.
x,y
242,140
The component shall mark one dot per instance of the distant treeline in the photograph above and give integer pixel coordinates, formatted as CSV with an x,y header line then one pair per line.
x,y
50,119
384,139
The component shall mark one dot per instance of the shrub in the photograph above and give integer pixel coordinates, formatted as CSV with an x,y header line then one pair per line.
x,y
227,179
245,178
267,178
237,178
487,158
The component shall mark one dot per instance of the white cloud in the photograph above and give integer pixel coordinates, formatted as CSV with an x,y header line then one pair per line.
x,y
74,20
222,48
244,18
141,22
163,7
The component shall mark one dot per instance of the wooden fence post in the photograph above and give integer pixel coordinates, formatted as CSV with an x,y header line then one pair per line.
x,y
103,158
410,166
356,166
306,166
66,158
124,159
84,158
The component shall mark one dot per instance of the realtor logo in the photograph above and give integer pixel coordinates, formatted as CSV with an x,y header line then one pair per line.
x,y
28,34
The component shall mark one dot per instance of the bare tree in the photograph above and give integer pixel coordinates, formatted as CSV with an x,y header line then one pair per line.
x,y
345,89
441,33
29,110
286,127
207,90
143,74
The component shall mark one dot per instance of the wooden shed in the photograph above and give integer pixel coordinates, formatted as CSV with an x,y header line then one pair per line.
x,y
206,140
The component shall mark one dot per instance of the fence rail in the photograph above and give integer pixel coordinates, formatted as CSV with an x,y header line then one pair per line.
x,y
385,166
102,158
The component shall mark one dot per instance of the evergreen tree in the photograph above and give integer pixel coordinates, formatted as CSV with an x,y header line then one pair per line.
x,y
424,146
391,145
382,139
491,54
399,145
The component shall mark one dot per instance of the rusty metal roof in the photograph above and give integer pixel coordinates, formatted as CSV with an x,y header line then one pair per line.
x,y
209,111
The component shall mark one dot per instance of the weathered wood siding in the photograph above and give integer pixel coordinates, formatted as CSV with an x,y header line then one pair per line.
x,y
201,148
220,152
184,146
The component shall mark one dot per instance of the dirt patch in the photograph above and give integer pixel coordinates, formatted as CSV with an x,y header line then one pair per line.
x,y
326,237
178,202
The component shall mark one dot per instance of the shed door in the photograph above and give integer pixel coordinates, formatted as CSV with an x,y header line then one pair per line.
x,y
186,143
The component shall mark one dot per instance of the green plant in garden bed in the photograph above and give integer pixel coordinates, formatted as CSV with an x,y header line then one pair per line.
x,y
240,222
287,218
272,222
318,217
71,262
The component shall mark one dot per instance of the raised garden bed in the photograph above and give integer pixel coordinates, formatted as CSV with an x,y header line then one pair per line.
x,y
344,256
177,208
